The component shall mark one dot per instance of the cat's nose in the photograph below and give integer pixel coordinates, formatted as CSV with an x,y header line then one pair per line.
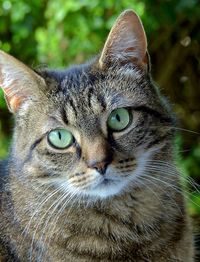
x,y
101,167
97,154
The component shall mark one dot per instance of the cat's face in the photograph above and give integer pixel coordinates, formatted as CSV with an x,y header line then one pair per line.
x,y
90,130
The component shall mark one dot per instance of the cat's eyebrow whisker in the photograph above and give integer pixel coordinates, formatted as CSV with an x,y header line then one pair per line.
x,y
187,130
176,128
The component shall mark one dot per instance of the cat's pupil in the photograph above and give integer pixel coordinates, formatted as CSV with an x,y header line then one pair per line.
x,y
118,118
59,135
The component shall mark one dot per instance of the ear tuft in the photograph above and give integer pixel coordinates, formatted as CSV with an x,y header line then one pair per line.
x,y
126,42
18,81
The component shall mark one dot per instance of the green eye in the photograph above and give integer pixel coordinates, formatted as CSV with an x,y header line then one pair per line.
x,y
119,119
60,138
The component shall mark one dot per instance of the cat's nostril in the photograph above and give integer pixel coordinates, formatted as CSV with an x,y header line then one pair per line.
x,y
99,166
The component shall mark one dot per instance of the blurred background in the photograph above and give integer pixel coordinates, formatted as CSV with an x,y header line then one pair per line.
x,y
62,32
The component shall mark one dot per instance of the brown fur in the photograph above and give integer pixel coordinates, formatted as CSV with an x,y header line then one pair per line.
x,y
147,219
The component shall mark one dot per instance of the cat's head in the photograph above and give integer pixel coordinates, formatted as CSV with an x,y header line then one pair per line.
x,y
90,129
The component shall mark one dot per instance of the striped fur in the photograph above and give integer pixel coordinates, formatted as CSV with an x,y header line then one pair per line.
x,y
56,208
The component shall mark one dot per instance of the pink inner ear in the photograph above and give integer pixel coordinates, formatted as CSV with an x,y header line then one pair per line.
x,y
18,81
13,99
15,103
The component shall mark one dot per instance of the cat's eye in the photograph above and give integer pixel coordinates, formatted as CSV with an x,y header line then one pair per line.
x,y
60,138
119,119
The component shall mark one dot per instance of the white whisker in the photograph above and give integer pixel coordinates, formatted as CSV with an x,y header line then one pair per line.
x,y
40,220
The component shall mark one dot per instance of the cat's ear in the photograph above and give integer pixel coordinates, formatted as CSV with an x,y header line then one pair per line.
x,y
18,81
126,42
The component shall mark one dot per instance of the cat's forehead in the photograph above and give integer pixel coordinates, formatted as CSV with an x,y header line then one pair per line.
x,y
87,86
85,95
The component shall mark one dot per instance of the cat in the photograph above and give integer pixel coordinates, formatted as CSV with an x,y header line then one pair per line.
x,y
91,173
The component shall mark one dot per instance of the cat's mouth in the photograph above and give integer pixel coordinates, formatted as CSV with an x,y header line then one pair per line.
x,y
106,186
98,185
106,181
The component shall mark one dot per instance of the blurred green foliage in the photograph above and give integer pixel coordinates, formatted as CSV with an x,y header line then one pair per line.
x,y
57,33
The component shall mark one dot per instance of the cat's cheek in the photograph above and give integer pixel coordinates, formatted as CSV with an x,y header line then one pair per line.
x,y
31,171
125,148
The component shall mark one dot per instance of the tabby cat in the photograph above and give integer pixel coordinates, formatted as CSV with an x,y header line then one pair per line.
x,y
91,174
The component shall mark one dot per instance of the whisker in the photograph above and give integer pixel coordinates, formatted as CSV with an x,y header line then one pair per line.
x,y
177,189
36,212
48,237
177,128
150,181
40,220
175,172
56,204
36,209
